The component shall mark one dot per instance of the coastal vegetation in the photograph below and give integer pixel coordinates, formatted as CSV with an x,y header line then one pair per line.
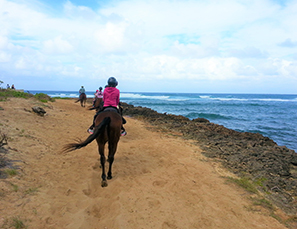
x,y
7,93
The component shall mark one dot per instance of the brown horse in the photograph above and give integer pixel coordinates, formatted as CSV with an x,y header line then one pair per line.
x,y
107,129
98,105
82,99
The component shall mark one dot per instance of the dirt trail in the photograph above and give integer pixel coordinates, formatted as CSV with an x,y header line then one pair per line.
x,y
160,180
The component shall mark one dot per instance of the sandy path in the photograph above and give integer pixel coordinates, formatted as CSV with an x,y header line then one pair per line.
x,y
160,181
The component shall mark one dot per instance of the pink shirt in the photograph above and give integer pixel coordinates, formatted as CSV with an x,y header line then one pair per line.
x,y
99,94
111,97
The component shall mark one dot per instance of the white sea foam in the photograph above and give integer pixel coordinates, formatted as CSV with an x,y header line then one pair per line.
x,y
139,96
229,99
221,99
204,96
277,100
263,100
177,100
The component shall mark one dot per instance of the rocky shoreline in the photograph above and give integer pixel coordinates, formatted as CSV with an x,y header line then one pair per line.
x,y
273,168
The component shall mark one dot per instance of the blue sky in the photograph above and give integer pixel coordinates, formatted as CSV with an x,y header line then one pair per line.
x,y
203,46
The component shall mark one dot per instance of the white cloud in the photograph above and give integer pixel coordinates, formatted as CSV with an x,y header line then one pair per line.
x,y
248,52
3,42
110,38
288,43
4,57
224,41
57,46
79,12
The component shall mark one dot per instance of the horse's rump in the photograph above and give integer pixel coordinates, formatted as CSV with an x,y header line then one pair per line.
x,y
82,96
115,123
82,99
98,104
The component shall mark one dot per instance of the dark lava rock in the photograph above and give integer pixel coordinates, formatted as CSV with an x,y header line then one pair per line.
x,y
246,154
39,110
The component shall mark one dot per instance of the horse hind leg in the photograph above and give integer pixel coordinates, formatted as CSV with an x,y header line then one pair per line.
x,y
110,161
112,150
103,176
102,160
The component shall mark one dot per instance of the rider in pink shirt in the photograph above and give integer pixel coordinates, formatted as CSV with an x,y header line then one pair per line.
x,y
111,98
98,94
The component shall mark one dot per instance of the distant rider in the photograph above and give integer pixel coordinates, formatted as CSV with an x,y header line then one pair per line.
x,y
98,94
82,90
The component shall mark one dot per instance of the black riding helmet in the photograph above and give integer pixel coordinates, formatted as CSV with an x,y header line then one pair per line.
x,y
112,82
100,88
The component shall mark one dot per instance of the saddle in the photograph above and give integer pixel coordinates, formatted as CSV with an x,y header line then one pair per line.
x,y
111,109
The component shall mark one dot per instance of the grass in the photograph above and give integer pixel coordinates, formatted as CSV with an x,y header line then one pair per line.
x,y
34,211
244,183
263,202
31,191
6,93
14,187
258,200
10,172
17,223
14,222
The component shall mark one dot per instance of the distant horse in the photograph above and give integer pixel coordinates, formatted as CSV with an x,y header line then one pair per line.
x,y
82,99
107,129
98,104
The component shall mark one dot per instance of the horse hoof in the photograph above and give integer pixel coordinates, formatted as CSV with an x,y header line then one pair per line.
x,y
109,177
104,183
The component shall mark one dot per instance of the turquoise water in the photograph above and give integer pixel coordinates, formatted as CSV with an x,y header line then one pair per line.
x,y
271,115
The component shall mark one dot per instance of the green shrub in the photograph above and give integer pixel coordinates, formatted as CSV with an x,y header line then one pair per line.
x,y
43,97
244,183
6,93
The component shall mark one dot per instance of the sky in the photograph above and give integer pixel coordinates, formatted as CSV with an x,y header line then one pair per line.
x,y
183,46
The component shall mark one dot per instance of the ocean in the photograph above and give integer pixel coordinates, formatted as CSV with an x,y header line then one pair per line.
x,y
272,115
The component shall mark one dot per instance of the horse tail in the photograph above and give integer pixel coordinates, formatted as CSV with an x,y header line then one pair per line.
x,y
79,144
